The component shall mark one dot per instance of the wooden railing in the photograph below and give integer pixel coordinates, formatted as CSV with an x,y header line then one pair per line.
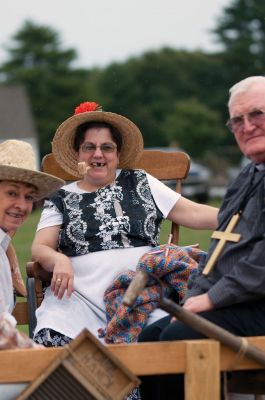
x,y
200,360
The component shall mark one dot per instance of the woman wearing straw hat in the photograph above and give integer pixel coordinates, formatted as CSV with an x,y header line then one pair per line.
x,y
101,224
20,185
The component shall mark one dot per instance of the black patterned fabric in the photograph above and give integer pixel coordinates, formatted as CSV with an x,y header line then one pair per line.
x,y
50,338
120,215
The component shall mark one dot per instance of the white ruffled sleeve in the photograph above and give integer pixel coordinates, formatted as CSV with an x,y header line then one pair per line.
x,y
164,197
50,216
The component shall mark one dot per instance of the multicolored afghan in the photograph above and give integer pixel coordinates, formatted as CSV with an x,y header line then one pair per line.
x,y
124,324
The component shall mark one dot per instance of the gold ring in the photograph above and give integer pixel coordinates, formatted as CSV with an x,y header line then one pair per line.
x,y
58,280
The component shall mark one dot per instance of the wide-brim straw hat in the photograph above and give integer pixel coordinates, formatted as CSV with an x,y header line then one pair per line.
x,y
63,141
18,163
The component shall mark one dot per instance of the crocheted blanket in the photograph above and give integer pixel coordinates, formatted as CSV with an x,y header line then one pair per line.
x,y
124,324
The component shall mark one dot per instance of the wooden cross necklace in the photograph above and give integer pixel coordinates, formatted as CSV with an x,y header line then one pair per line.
x,y
228,235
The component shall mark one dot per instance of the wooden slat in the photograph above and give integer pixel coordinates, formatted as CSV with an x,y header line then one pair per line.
x,y
154,358
202,367
21,313
147,359
230,360
165,165
25,365
141,359
50,166
162,165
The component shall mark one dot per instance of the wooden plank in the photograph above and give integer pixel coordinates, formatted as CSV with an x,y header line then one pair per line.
x,y
141,359
165,165
229,359
50,166
25,365
21,313
169,357
150,359
162,165
202,367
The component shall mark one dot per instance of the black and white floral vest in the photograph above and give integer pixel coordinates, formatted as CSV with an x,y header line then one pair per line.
x,y
119,215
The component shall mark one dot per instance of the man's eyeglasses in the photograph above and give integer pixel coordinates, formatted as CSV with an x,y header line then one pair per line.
x,y
255,117
104,147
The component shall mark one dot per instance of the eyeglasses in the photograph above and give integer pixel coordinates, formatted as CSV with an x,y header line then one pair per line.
x,y
255,117
104,147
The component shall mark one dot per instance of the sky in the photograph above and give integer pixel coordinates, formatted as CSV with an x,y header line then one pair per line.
x,y
104,31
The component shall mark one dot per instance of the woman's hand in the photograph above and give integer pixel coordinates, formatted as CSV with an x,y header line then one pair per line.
x,y
199,303
44,251
63,276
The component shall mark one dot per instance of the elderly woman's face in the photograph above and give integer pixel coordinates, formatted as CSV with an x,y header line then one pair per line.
x,y
16,201
99,151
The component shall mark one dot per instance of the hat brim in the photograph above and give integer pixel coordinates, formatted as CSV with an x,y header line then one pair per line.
x,y
63,141
46,184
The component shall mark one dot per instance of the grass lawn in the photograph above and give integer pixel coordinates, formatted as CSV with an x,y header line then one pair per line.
x,y
187,236
23,239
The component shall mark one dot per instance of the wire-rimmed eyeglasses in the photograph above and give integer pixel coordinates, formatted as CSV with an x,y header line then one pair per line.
x,y
104,147
255,117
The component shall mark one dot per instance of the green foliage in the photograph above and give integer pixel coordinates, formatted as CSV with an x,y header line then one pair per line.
x,y
241,31
167,93
147,88
38,62
38,47
194,127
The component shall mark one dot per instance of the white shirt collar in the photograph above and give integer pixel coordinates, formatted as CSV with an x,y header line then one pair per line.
x,y
260,167
4,239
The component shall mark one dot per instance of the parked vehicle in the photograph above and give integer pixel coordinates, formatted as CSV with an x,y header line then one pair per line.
x,y
196,185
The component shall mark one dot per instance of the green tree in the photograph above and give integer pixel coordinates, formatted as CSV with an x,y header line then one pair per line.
x,y
37,60
241,31
194,127
146,88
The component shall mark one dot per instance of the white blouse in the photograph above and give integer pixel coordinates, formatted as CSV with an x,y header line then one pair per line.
x,y
6,285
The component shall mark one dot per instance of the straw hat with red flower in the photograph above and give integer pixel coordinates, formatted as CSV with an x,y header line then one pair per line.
x,y
62,144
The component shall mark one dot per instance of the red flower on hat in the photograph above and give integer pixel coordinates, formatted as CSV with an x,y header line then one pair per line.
x,y
87,106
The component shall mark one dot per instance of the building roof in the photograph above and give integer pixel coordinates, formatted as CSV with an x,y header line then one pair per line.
x,y
16,120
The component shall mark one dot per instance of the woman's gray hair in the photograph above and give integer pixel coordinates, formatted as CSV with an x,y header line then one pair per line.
x,y
244,86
